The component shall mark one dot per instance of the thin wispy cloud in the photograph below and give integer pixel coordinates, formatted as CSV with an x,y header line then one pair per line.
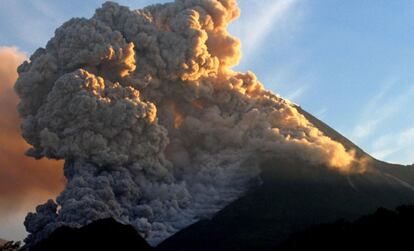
x,y
261,19
321,113
297,94
390,145
266,21
373,128
268,26
381,108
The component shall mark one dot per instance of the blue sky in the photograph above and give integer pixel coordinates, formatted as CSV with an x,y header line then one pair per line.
x,y
347,62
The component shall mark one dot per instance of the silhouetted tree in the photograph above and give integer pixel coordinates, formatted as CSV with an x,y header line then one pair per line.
x,y
385,229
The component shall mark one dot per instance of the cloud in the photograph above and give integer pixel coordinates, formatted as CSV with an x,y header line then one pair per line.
x,y
155,128
395,147
297,94
382,107
321,113
262,19
10,59
21,178
390,101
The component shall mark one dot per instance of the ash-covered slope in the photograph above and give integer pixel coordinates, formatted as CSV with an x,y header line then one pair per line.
x,y
398,173
295,195
329,131
106,234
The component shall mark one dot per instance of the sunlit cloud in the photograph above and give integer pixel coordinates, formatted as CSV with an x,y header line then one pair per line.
x,y
24,182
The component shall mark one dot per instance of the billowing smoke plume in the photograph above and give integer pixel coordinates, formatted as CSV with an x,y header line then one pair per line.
x,y
155,128
21,178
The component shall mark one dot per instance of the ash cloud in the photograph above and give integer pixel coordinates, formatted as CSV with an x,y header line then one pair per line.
x,y
21,178
155,128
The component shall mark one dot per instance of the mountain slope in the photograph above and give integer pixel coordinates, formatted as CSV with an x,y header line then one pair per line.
x,y
295,195
327,130
2,242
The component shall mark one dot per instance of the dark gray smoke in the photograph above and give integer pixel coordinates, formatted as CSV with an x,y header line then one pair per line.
x,y
155,128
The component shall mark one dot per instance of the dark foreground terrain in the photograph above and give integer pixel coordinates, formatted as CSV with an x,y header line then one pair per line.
x,y
383,230
106,234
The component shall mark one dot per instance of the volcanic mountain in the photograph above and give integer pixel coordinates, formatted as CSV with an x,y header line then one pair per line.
x,y
295,196
281,212
158,131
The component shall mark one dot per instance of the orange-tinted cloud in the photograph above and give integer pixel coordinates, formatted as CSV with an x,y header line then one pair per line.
x,y
23,180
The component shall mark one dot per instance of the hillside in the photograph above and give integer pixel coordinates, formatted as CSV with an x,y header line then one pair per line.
x,y
293,196
383,230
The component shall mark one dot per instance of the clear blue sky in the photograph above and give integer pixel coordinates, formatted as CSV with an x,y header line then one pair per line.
x,y
350,63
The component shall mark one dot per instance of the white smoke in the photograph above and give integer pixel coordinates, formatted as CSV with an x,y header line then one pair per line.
x,y
155,128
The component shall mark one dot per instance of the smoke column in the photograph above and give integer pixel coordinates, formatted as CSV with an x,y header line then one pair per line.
x,y
155,128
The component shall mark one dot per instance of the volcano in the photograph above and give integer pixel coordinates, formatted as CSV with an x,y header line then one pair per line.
x,y
291,198
157,131
285,203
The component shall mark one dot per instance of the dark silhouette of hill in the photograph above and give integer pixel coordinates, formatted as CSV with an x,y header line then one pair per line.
x,y
383,230
106,234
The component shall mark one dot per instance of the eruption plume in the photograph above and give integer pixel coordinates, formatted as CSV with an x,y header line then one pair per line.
x,y
155,128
